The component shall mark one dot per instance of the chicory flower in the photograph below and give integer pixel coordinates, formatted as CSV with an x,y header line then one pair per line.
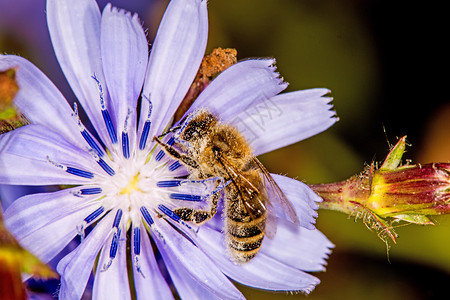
x,y
122,187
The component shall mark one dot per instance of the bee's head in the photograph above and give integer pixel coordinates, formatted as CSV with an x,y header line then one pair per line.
x,y
198,125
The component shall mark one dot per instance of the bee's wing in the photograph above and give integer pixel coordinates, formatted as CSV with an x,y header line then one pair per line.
x,y
258,205
276,194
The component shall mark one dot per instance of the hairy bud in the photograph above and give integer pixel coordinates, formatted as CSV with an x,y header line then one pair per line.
x,y
391,193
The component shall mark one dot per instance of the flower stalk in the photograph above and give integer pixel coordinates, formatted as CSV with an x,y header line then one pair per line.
x,y
212,64
391,193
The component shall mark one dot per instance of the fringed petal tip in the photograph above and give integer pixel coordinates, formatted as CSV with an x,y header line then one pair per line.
x,y
302,198
109,8
289,118
307,290
323,93
254,82
323,96
175,58
323,260
271,65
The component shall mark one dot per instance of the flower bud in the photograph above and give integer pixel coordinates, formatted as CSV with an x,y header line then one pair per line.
x,y
10,117
392,192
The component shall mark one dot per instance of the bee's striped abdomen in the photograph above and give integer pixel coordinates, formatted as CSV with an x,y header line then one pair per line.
x,y
244,235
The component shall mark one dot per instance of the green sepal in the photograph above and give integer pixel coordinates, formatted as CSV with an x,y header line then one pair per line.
x,y
414,218
394,158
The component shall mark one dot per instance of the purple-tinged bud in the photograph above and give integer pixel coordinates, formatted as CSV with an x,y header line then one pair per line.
x,y
10,117
392,192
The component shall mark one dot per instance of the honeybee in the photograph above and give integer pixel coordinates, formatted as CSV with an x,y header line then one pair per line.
x,y
212,149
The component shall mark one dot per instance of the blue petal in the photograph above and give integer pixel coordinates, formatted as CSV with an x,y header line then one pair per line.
x,y
28,156
40,101
112,283
74,28
76,267
245,85
261,272
123,44
45,223
10,193
298,247
284,119
188,264
153,285
302,198
175,57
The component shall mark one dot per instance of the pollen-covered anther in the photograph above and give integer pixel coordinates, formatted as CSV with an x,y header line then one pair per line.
x,y
116,232
84,133
147,124
89,219
168,212
107,168
105,113
150,223
125,138
71,170
137,249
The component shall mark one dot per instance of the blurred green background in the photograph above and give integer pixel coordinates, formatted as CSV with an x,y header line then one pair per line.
x,y
384,62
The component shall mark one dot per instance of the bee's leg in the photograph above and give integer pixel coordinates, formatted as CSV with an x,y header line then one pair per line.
x,y
199,216
173,129
218,188
177,155
220,185
185,123
195,216
172,215
179,128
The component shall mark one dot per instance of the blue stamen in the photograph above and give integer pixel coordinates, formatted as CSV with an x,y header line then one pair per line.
x,y
105,113
92,143
137,241
114,245
186,122
81,173
169,213
147,124
174,166
144,135
168,183
147,216
91,191
185,197
106,167
115,239
100,90
94,215
117,218
160,155
109,126
125,145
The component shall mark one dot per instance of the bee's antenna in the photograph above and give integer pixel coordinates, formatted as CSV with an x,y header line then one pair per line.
x,y
175,128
